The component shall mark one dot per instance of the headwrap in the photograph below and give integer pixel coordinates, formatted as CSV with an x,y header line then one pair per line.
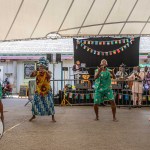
x,y
103,60
42,61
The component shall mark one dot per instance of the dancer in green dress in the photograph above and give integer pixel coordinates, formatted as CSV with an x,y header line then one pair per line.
x,y
103,91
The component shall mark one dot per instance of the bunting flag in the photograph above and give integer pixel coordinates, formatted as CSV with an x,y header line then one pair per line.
x,y
126,43
89,42
81,96
87,96
114,52
96,42
118,50
84,42
149,98
98,53
111,42
110,53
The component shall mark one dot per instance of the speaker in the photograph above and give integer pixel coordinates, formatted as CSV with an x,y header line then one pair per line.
x,y
50,57
58,57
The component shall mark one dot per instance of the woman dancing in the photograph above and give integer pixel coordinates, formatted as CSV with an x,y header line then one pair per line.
x,y
103,91
43,103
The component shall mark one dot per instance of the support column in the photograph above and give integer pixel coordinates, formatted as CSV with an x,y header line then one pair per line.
x,y
14,77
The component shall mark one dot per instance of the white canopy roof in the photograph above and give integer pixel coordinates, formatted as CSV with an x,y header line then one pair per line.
x,y
30,19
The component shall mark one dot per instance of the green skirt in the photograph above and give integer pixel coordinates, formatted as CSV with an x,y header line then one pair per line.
x,y
101,96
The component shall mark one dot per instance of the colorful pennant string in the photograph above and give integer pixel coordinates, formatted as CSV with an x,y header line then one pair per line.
x,y
126,43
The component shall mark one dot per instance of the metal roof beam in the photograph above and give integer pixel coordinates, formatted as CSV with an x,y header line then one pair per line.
x,y
65,16
128,16
86,16
107,16
145,25
14,19
39,18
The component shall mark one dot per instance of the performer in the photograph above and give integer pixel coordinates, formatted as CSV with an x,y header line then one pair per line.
x,y
76,69
137,87
1,105
103,91
146,80
77,66
121,73
43,103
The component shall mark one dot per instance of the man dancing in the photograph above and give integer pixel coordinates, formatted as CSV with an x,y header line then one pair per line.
x,y
43,103
103,91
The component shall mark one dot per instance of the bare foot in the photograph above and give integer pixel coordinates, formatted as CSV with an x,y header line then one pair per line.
x,y
96,119
53,119
33,117
115,120
2,118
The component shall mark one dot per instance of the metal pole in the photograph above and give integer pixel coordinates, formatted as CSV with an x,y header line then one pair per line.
x,y
53,79
61,75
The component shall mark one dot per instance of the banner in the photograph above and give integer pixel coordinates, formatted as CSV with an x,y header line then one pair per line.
x,y
87,96
84,43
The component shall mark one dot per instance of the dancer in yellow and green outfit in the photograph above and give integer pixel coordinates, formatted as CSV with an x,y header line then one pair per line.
x,y
103,91
42,103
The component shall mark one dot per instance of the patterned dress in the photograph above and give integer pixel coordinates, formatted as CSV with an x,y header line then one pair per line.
x,y
103,91
43,102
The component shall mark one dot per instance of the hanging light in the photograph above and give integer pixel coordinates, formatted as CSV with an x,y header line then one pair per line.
x,y
53,36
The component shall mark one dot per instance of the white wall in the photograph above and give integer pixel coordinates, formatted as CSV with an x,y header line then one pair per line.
x,y
20,74
8,68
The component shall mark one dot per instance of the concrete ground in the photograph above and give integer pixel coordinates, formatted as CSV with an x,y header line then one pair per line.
x,y
75,129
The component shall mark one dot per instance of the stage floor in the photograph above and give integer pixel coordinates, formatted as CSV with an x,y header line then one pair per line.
x,y
75,129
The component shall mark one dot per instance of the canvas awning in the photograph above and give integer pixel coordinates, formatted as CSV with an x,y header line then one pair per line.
x,y
34,19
